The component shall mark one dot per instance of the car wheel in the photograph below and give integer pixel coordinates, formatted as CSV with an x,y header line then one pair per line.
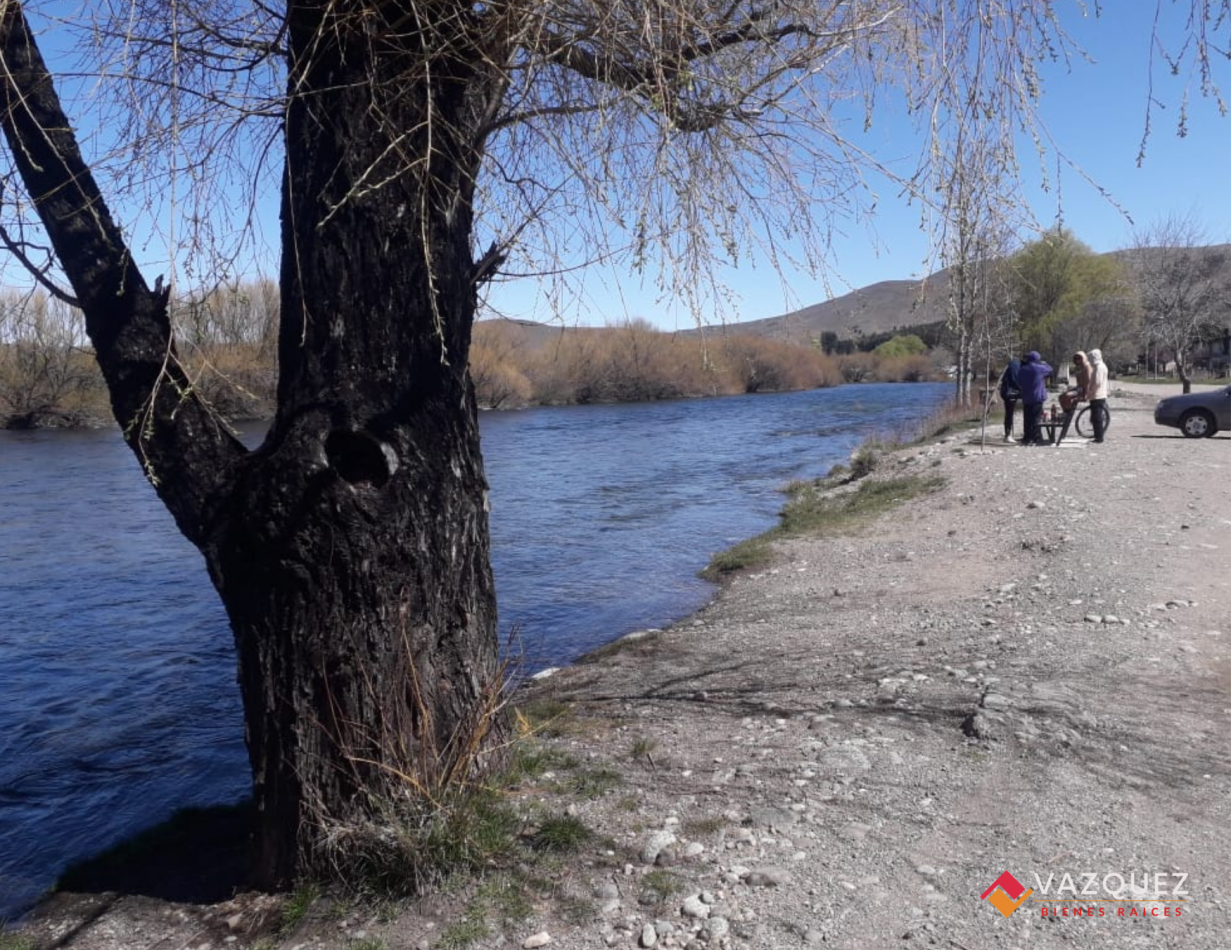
x,y
1197,424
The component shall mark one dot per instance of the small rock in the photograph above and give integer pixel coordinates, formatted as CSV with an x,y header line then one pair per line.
x,y
541,939
768,877
695,907
649,936
655,844
1094,618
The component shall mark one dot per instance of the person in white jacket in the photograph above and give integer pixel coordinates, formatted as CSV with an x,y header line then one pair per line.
x,y
1096,392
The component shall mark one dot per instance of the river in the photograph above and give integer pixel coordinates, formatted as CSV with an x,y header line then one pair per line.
x,y
118,702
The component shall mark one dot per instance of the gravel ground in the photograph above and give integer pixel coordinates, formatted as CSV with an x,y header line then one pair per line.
x,y
1028,671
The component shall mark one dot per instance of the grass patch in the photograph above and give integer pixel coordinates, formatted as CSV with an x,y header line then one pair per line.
x,y
638,640
661,885
561,834
540,716
470,928
701,827
15,941
816,512
577,911
593,783
505,894
296,908
643,748
414,846
531,761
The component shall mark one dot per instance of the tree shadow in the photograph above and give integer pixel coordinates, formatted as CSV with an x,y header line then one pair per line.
x,y
198,856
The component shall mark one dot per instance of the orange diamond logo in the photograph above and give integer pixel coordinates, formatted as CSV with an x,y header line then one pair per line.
x,y
1006,894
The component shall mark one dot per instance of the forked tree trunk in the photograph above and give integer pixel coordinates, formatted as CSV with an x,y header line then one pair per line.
x,y
351,548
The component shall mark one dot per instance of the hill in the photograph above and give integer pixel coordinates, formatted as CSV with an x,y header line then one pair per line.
x,y
878,308
894,305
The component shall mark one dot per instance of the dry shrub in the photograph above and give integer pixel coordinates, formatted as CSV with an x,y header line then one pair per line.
x,y
904,369
857,367
754,364
498,382
236,379
47,371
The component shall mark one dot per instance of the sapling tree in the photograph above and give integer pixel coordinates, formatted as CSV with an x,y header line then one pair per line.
x,y
423,148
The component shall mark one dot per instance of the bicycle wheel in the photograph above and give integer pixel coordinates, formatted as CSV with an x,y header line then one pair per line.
x,y
1084,423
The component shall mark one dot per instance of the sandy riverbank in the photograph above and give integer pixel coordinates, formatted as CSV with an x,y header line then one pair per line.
x,y
1028,671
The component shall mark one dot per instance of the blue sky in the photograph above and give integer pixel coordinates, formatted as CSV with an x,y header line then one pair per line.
x,y
1095,113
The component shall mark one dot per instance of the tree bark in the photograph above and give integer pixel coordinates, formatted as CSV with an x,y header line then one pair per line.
x,y
351,549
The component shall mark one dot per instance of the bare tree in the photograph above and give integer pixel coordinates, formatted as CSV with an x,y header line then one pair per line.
x,y
1177,279
980,216
46,371
351,548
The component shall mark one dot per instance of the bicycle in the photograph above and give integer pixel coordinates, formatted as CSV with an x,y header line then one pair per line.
x,y
1084,423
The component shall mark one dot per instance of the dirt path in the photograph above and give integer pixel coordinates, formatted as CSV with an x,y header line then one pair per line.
x,y
1029,671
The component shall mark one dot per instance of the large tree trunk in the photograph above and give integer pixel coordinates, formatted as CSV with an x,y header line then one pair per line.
x,y
354,563
351,548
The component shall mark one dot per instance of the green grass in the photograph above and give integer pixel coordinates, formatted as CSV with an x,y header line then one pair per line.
x,y
593,783
543,716
814,512
561,833
469,929
661,885
297,906
531,761
15,941
505,894
415,847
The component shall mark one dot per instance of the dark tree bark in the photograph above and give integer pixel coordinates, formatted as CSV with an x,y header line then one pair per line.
x,y
351,548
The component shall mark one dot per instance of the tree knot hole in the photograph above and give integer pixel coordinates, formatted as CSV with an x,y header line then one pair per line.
x,y
360,458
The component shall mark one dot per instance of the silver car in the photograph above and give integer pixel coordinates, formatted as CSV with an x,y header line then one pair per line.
x,y
1196,414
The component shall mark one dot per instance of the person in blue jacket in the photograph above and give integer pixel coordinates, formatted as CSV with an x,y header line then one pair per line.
x,y
1032,381
1010,393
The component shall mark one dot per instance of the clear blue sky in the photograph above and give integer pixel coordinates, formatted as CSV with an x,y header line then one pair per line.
x,y
1096,114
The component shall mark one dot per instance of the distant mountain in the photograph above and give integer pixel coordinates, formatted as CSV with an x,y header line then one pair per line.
x,y
877,308
891,305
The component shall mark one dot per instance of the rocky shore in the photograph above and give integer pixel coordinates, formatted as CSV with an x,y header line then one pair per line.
x,y
1027,671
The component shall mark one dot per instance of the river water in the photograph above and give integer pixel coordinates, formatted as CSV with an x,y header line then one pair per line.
x,y
118,702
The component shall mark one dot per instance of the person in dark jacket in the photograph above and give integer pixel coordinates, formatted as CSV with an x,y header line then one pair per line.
x,y
1032,381
1010,393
